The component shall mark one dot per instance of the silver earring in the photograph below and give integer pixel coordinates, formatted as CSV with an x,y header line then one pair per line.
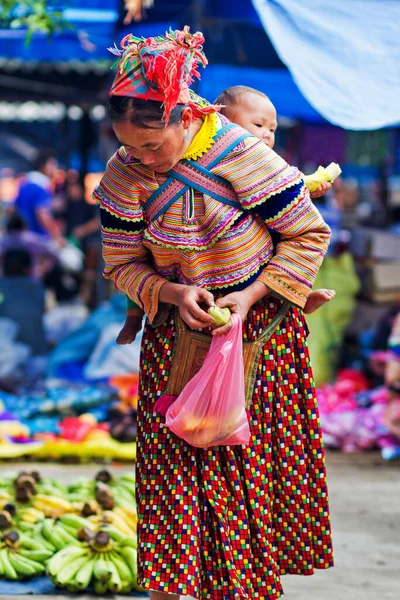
x,y
187,135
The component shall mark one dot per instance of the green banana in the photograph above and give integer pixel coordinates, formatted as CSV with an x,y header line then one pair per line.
x,y
74,521
71,530
68,572
101,571
129,541
123,570
36,555
45,543
50,533
129,476
123,493
6,567
130,556
100,587
64,557
24,566
84,576
115,534
65,537
114,583
26,527
127,485
28,543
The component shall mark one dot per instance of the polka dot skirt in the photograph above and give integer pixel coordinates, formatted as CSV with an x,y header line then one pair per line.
x,y
224,523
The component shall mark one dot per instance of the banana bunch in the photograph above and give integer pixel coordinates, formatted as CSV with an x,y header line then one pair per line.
x,y
104,489
98,562
61,532
321,175
21,557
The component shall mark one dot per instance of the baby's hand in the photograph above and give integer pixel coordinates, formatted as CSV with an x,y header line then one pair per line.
x,y
131,328
321,190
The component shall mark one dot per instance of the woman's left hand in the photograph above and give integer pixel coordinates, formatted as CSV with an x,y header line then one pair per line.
x,y
239,303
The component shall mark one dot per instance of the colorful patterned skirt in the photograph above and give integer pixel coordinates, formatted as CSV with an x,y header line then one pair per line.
x,y
225,523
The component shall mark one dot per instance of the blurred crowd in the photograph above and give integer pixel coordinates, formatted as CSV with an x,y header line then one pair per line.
x,y
49,248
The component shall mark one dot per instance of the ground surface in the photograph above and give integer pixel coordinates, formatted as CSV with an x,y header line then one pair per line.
x,y
365,504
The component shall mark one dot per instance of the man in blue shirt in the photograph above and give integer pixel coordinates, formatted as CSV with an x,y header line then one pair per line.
x,y
34,200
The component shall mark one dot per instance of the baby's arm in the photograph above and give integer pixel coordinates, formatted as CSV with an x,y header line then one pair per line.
x,y
132,325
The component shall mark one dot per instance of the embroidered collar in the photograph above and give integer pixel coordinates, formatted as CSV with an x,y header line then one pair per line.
x,y
204,139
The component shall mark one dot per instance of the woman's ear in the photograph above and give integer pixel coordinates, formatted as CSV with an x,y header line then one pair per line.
x,y
187,117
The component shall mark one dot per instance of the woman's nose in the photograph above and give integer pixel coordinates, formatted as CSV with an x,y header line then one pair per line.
x,y
147,159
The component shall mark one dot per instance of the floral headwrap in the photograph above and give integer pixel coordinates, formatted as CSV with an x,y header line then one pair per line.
x,y
161,68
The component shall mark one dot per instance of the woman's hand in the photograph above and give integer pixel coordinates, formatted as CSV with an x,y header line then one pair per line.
x,y
240,303
189,300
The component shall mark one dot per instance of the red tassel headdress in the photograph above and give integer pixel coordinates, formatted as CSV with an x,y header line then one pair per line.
x,y
161,68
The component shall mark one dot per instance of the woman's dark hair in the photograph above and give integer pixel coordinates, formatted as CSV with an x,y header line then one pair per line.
x,y
142,113
231,95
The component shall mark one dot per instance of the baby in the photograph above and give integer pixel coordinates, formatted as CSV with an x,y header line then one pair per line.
x,y
254,111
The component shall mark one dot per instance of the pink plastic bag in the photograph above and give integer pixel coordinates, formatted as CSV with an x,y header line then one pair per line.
x,y
211,409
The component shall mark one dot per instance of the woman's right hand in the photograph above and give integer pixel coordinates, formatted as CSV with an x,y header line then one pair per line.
x,y
189,300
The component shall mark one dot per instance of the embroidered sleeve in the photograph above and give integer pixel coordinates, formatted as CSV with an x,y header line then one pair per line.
x,y
127,261
270,188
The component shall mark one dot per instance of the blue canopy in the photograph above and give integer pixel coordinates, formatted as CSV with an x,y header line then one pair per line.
x,y
278,84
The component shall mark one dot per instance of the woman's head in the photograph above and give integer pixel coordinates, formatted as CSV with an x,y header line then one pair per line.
x,y
151,106
140,126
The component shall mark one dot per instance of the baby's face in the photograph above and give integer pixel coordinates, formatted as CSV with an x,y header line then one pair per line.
x,y
256,114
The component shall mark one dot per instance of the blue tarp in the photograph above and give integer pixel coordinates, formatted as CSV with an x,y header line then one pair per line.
x,y
344,56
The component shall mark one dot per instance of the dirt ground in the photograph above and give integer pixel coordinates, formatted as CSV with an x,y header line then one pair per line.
x,y
365,505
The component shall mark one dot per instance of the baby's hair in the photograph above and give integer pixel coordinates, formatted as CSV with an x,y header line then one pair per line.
x,y
231,95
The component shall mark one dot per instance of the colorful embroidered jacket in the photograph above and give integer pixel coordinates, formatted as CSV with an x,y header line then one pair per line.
x,y
202,241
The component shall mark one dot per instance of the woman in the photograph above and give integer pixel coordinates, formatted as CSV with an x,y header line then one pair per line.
x,y
184,205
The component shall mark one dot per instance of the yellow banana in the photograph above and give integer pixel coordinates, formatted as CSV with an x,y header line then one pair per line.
x,y
322,175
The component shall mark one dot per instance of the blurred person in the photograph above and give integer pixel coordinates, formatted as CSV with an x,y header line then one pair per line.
x,y
82,227
34,199
42,250
22,299
254,111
